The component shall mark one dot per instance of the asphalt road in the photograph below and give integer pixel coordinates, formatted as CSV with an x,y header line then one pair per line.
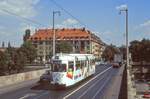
x,y
94,87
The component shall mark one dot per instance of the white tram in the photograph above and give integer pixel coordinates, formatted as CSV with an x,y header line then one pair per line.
x,y
68,69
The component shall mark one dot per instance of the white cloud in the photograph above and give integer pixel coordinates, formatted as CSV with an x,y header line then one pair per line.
x,y
23,8
143,27
68,23
122,7
145,24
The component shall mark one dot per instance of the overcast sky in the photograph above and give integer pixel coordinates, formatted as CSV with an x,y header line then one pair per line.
x,y
99,16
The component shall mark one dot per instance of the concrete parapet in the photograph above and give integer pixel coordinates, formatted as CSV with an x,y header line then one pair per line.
x,y
131,88
20,77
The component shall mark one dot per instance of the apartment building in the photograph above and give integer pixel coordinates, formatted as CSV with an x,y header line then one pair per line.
x,y
82,41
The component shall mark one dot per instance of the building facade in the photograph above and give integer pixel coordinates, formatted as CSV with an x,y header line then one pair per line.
x,y
82,41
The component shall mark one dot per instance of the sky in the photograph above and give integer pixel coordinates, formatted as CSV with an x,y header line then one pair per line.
x,y
99,16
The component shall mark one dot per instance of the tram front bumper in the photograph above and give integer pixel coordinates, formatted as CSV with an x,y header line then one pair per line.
x,y
56,85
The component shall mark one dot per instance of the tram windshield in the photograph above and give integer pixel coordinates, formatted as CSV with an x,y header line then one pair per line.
x,y
58,67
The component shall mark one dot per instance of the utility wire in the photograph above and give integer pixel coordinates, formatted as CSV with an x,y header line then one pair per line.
x,y
62,8
40,24
21,17
58,5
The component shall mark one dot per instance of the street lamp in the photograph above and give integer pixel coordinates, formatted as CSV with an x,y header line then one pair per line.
x,y
54,34
127,48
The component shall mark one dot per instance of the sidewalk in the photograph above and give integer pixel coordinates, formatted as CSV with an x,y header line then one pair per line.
x,y
114,89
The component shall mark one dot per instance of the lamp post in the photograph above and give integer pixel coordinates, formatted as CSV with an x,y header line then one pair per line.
x,y
127,48
131,90
54,34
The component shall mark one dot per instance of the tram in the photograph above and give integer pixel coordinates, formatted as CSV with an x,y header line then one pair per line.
x,y
69,69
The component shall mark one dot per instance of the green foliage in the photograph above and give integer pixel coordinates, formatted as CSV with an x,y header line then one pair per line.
x,y
3,62
27,35
109,52
63,47
14,59
19,60
140,50
10,52
29,51
123,51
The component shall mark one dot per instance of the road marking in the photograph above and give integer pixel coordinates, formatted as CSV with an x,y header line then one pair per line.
x,y
27,95
42,94
86,83
101,88
90,88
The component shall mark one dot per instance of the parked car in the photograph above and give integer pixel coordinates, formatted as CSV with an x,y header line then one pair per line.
x,y
115,65
146,95
148,84
46,76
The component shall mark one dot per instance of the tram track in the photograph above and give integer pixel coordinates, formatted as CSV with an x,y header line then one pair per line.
x,y
101,73
81,90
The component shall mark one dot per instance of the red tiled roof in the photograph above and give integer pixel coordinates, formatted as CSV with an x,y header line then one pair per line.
x,y
45,34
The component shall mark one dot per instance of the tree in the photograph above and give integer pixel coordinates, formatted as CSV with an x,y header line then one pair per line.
x,y
27,35
145,50
29,51
3,62
3,44
10,53
19,60
63,47
109,52
9,45
123,51
140,50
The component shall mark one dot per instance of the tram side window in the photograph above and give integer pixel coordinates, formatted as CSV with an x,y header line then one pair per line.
x,y
93,62
63,68
82,64
78,65
71,66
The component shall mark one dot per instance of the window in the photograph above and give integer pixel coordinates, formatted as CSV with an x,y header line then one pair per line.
x,y
40,48
40,42
82,64
92,62
58,67
70,66
78,65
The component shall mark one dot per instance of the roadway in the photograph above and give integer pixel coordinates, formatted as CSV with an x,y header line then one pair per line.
x,y
95,87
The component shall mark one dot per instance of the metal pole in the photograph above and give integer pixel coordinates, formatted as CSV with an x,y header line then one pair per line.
x,y
53,33
127,48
